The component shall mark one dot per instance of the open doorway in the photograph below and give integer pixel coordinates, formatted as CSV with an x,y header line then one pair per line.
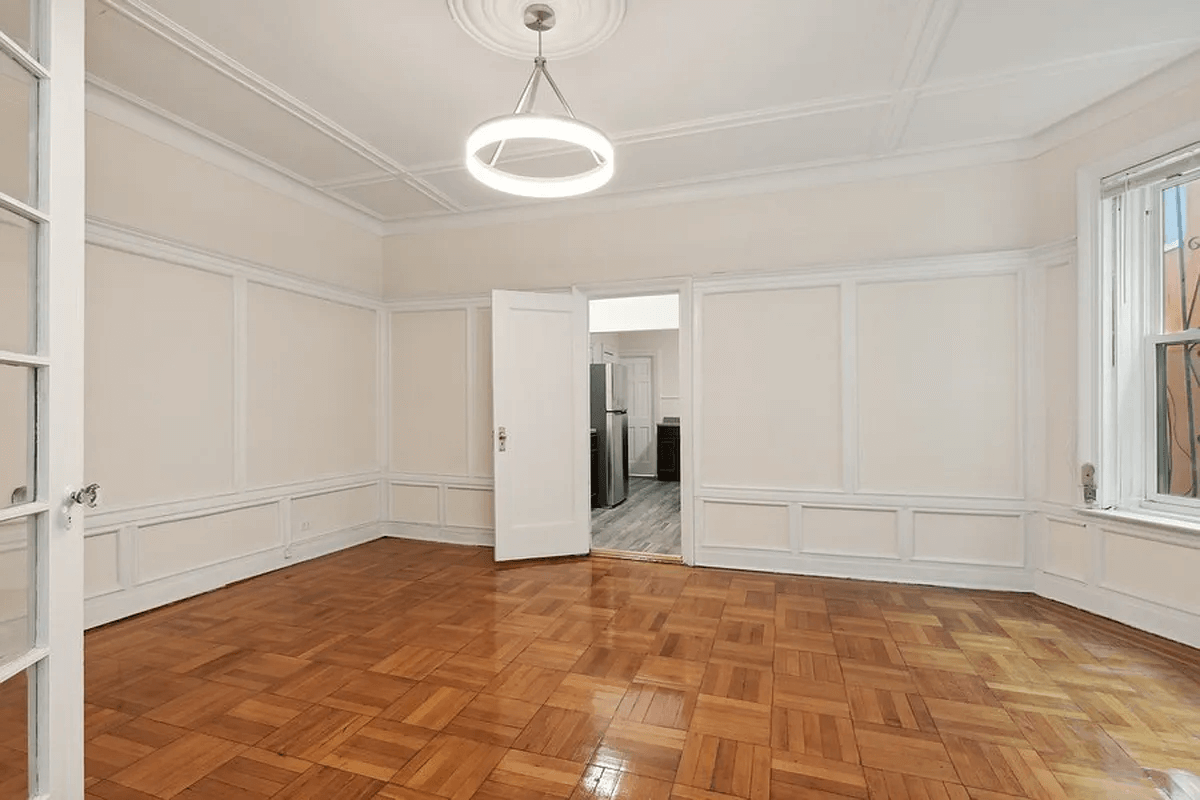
x,y
635,430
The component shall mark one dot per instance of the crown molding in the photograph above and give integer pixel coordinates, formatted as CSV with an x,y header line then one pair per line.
x,y
1171,78
164,27
927,34
721,187
130,111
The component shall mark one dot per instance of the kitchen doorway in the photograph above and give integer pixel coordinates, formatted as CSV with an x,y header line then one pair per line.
x,y
634,375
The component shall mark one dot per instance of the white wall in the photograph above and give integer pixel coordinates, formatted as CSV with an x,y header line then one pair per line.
x,y
966,210
441,422
1137,574
139,182
233,371
664,346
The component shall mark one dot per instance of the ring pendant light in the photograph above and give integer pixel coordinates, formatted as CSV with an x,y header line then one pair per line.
x,y
524,124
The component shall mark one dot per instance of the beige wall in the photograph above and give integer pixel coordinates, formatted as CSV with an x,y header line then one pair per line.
x,y
1131,572
664,345
955,211
140,182
231,395
441,422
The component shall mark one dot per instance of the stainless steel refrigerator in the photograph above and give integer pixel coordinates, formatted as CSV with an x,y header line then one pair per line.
x,y
611,423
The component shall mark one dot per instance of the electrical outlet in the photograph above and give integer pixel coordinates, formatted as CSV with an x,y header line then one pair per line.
x,y
305,526
1087,475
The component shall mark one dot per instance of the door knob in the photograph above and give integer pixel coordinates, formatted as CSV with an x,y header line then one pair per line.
x,y
87,496
502,438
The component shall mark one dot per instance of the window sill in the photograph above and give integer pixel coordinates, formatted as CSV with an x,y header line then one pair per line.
x,y
1176,523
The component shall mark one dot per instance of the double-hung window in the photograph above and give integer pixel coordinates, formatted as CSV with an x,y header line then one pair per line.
x,y
1150,305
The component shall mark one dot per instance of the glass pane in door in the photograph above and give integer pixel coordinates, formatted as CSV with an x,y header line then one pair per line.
x,y
17,247
18,144
16,435
17,22
14,736
17,538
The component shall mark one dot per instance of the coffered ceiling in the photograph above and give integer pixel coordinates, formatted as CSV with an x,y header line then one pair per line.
x,y
370,101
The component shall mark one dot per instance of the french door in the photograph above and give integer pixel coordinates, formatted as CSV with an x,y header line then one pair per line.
x,y
41,398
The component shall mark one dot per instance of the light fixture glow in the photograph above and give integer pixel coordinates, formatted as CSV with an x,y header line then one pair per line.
x,y
523,124
545,127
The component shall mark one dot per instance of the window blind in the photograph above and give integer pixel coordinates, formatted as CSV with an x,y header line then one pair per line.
x,y
1181,162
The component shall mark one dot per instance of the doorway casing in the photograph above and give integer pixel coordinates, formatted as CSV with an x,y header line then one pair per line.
x,y
682,287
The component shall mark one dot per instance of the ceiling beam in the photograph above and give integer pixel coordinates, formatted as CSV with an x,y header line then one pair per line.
x,y
930,29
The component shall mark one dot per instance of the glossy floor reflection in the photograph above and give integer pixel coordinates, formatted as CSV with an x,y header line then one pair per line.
x,y
405,670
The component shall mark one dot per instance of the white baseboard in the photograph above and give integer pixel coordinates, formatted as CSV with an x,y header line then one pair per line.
x,y
1170,623
437,533
960,576
152,594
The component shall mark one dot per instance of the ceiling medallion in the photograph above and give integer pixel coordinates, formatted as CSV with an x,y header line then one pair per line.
x,y
555,128
582,25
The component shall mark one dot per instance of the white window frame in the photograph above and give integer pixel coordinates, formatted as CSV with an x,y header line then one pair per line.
x,y
1120,314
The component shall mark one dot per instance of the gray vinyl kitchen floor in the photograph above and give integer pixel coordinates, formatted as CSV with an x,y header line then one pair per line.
x,y
647,522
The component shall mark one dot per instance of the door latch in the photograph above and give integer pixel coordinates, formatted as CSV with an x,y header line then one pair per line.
x,y
1087,475
502,438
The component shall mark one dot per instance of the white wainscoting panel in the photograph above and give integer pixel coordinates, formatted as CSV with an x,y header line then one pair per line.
x,y
849,531
159,397
746,525
173,548
319,514
939,387
1068,551
770,388
101,565
470,508
418,504
986,539
429,392
481,407
1157,571
311,367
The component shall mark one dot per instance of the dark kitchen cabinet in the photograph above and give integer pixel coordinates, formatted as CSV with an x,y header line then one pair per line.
x,y
668,452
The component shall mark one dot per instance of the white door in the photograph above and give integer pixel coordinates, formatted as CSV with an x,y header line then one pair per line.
x,y
41,394
639,380
540,444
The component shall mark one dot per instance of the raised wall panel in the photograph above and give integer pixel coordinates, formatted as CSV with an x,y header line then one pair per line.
x,y
1163,573
969,538
770,389
311,387
1061,378
470,508
101,573
1068,550
762,527
415,504
334,511
482,401
429,392
849,531
171,548
158,391
938,387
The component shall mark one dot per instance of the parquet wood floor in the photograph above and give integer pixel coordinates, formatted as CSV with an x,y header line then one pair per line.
x,y
412,671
